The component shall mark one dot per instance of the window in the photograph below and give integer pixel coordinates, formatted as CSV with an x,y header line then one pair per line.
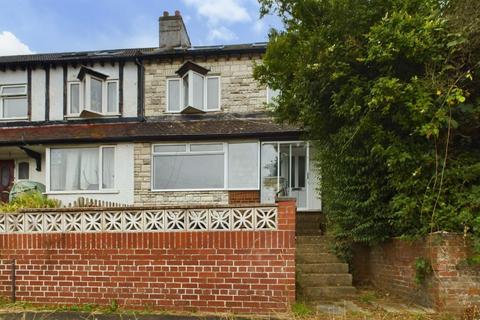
x,y
193,90
13,102
189,166
23,170
93,93
79,169
243,165
272,95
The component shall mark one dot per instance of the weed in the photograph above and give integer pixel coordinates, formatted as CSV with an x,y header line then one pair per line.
x,y
300,309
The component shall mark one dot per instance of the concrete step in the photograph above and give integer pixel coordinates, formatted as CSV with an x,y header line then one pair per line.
x,y
324,280
317,258
313,247
316,293
313,240
324,268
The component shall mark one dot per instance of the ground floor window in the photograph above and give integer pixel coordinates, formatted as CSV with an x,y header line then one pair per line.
x,y
205,166
79,169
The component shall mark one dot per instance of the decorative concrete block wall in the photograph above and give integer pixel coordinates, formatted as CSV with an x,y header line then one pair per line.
x,y
211,259
452,287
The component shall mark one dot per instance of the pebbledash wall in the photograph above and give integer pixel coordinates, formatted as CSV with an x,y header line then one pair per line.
x,y
213,259
452,287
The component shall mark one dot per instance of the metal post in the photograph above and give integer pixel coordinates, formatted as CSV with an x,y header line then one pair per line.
x,y
14,282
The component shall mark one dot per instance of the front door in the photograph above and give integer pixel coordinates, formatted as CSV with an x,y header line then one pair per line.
x,y
6,178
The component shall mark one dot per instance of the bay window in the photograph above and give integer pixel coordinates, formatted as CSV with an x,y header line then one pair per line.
x,y
13,102
205,166
82,169
193,90
95,92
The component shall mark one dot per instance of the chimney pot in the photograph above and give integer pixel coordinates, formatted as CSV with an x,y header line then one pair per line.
x,y
165,13
177,13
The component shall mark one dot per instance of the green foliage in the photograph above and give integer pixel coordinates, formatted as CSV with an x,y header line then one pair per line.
x,y
113,307
300,309
390,92
30,200
423,269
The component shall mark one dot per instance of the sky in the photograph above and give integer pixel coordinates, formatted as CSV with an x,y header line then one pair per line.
x,y
40,26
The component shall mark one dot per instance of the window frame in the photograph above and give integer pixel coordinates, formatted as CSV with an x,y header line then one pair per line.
x,y
100,189
270,96
181,92
187,152
23,95
85,96
17,169
226,164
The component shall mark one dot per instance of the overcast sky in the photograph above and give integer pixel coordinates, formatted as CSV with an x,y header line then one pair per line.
x,y
37,26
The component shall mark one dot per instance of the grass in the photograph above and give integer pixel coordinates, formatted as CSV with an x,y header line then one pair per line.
x,y
301,310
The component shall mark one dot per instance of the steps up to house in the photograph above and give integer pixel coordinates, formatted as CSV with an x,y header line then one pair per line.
x,y
309,223
320,274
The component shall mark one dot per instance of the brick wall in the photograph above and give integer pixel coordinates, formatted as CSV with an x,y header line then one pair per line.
x,y
249,196
211,271
453,286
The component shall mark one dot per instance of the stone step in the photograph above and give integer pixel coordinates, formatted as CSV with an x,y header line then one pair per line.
x,y
324,280
324,268
313,240
313,247
315,293
317,258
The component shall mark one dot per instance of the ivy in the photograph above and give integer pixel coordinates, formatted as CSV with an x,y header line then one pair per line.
x,y
389,90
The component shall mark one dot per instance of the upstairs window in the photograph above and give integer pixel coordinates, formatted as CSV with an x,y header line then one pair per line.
x,y
272,95
193,89
13,102
95,93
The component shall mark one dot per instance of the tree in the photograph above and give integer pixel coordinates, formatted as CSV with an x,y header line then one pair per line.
x,y
390,92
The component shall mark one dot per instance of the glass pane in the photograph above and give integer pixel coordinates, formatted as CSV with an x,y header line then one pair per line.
x,y
174,95
188,172
268,171
298,159
74,98
96,95
108,168
185,92
243,165
198,91
5,176
212,93
23,170
112,105
284,174
14,90
74,169
170,148
206,147
272,95
15,107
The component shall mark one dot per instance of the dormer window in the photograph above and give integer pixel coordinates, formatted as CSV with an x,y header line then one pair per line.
x,y
94,94
13,101
193,90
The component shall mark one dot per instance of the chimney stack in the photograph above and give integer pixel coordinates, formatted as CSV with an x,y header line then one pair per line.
x,y
173,33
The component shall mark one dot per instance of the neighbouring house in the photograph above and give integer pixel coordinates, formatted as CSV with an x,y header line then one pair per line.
x,y
150,126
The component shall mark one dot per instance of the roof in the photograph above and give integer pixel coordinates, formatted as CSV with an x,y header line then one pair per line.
x,y
131,54
185,128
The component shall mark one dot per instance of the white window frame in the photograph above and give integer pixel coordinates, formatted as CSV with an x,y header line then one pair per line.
x,y
269,94
85,100
190,91
224,152
17,169
226,164
100,171
13,96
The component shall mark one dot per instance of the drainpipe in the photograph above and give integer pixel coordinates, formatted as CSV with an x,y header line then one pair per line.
x,y
14,282
141,89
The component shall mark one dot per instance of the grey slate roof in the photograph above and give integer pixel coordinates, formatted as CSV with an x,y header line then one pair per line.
x,y
131,53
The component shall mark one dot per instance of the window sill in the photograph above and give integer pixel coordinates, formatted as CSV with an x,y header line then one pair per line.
x,y
13,119
108,115
82,192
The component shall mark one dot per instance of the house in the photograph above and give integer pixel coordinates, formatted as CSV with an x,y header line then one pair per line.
x,y
150,126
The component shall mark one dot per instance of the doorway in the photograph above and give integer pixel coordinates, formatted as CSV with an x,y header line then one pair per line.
x,y
6,178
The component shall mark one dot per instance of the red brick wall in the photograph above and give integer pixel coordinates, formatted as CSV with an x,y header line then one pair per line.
x,y
452,287
249,196
234,271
